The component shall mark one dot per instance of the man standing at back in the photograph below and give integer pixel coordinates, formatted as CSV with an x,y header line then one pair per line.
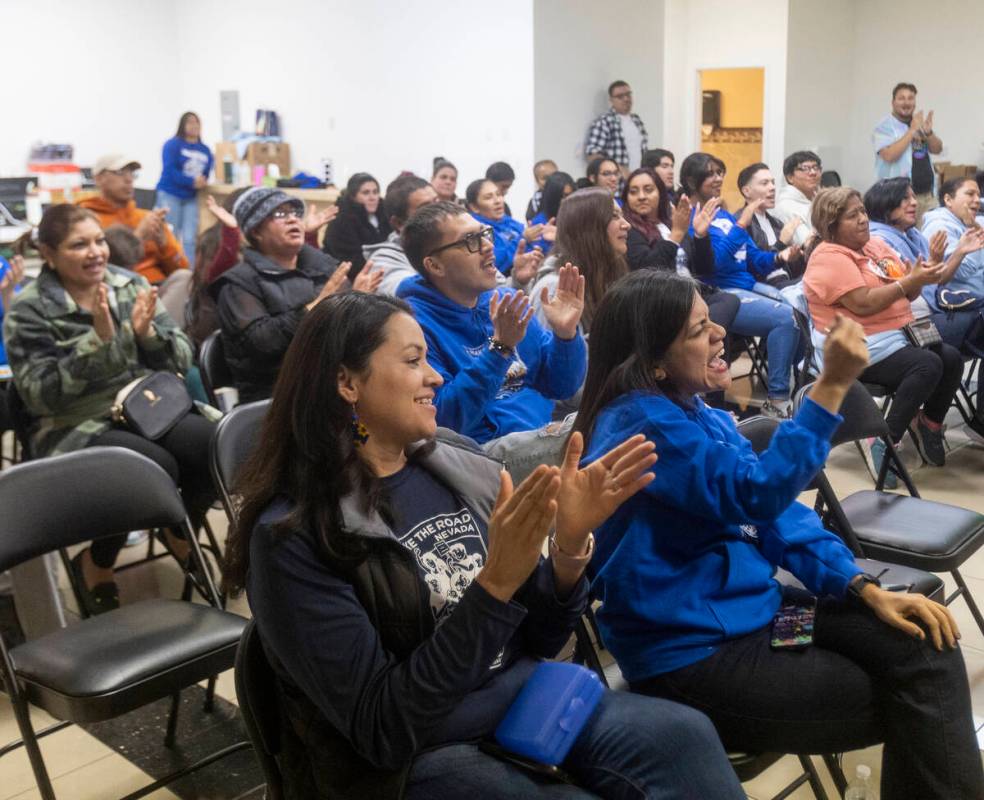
x,y
163,263
903,142
618,134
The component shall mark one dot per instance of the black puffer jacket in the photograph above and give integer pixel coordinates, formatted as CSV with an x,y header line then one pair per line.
x,y
351,230
260,306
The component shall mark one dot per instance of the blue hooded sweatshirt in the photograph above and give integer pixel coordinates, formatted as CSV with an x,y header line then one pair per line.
x,y
738,262
508,232
484,395
182,163
969,276
689,562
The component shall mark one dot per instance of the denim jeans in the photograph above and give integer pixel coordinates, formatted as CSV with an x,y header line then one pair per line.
x,y
182,216
633,747
859,683
761,316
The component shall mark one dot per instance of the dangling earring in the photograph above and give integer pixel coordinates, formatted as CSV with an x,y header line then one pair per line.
x,y
359,431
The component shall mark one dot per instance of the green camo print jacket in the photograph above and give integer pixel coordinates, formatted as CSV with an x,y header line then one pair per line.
x,y
66,375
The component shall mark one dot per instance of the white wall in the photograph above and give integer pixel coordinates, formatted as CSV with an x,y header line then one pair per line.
x,y
820,80
839,84
581,47
99,75
943,61
711,34
375,85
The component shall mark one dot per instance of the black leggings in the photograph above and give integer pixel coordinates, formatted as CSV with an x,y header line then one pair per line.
x,y
183,453
859,683
920,377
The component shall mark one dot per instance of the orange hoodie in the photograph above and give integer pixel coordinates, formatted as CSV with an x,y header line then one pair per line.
x,y
158,262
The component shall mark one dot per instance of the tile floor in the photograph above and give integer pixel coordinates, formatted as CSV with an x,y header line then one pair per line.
x,y
83,768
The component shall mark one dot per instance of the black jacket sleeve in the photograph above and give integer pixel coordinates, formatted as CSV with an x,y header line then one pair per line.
x,y
640,255
701,257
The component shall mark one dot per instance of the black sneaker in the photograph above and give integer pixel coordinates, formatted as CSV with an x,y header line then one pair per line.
x,y
100,598
930,443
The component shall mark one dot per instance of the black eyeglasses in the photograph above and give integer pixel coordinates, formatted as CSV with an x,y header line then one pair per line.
x,y
621,95
472,242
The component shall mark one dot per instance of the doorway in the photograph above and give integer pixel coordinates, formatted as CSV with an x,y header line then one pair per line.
x,y
732,103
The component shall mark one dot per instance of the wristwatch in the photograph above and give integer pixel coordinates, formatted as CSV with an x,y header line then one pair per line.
x,y
857,584
498,347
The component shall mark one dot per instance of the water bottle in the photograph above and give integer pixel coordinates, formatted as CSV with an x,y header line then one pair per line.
x,y
860,788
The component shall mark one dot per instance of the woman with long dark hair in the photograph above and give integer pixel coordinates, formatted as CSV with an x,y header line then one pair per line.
x,y
590,232
660,239
687,569
187,163
361,220
399,589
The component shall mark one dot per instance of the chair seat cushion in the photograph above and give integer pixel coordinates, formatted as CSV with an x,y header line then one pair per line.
x,y
109,664
912,531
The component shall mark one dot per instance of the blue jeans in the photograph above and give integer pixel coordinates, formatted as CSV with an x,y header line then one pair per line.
x,y
632,747
761,316
182,216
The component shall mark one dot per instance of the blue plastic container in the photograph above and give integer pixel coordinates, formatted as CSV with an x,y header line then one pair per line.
x,y
550,711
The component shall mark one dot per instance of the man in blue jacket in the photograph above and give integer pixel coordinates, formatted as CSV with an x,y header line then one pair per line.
x,y
502,370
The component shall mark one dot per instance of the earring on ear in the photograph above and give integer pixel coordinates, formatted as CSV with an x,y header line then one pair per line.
x,y
359,431
660,374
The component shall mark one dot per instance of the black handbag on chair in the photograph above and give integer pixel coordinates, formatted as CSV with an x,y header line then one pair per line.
x,y
152,405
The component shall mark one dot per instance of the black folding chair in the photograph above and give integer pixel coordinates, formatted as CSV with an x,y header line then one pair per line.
x,y
107,665
213,366
235,437
255,691
900,529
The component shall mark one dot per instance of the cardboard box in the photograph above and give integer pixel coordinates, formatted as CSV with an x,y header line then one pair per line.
x,y
256,153
946,170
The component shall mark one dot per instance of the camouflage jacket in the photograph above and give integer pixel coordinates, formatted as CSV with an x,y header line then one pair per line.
x,y
66,375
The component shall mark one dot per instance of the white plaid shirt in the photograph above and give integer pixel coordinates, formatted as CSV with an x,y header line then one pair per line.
x,y
605,136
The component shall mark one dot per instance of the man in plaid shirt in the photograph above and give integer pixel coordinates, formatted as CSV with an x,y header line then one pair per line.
x,y
618,133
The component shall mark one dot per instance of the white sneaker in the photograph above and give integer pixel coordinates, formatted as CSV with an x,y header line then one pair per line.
x,y
133,538
777,409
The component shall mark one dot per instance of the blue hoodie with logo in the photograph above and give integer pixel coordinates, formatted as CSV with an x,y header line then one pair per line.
x,y
689,562
737,259
507,232
485,395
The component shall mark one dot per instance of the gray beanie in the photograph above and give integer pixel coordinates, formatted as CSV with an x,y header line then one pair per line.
x,y
256,204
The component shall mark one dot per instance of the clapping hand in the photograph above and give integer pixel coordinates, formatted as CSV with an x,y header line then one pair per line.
x,y
937,246
563,310
748,212
333,284
924,274
102,317
525,264
143,312
221,214
511,314
705,216
591,495
11,280
789,229
680,219
520,522
368,279
971,240
152,226
314,219
550,231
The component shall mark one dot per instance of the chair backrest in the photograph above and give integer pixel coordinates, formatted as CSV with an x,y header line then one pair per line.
x,y
257,696
862,417
214,368
63,500
235,437
20,419
759,431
